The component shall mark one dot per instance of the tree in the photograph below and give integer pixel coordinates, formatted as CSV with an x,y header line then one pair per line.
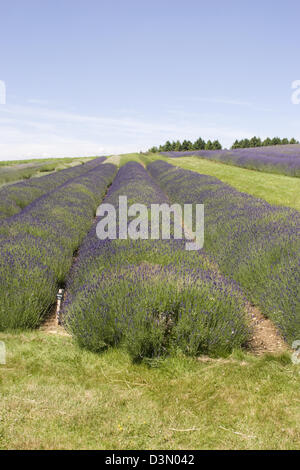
x,y
217,145
255,142
167,146
245,143
199,144
267,142
276,141
236,144
209,145
186,145
178,146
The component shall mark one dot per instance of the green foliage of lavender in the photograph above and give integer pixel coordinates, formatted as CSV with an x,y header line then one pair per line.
x,y
256,244
150,296
37,246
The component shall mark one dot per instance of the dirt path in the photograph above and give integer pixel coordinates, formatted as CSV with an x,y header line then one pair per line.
x,y
51,325
266,338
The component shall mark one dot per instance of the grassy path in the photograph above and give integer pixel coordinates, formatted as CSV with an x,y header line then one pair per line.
x,y
275,189
54,395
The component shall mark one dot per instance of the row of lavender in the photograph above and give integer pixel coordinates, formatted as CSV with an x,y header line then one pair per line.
x,y
37,246
150,296
15,197
278,159
256,244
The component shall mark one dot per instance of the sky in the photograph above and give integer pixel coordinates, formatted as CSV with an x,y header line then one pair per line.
x,y
95,77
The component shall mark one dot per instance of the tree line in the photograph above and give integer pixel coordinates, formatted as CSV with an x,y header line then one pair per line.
x,y
186,145
200,144
257,142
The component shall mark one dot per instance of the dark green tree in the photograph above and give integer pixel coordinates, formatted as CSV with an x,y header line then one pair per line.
x,y
217,145
178,146
276,141
186,145
236,144
199,144
267,142
209,145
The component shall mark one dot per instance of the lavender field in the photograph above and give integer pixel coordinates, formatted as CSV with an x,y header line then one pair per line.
x,y
15,197
149,336
253,242
151,297
37,244
279,159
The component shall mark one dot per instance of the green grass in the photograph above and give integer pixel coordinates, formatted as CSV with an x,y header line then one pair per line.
x,y
131,157
275,189
57,396
41,160
12,172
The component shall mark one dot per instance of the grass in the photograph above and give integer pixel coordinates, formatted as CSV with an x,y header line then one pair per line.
x,y
57,396
18,170
131,157
66,160
275,189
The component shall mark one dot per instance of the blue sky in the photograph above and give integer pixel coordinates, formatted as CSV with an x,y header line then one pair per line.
x,y
110,76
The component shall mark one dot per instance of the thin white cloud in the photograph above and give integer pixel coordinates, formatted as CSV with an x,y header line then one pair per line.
x,y
33,131
38,101
228,101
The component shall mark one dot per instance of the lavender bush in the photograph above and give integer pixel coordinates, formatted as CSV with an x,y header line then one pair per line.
x,y
255,243
37,246
150,296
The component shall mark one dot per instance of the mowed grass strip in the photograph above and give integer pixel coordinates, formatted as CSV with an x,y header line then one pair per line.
x,y
54,395
276,189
